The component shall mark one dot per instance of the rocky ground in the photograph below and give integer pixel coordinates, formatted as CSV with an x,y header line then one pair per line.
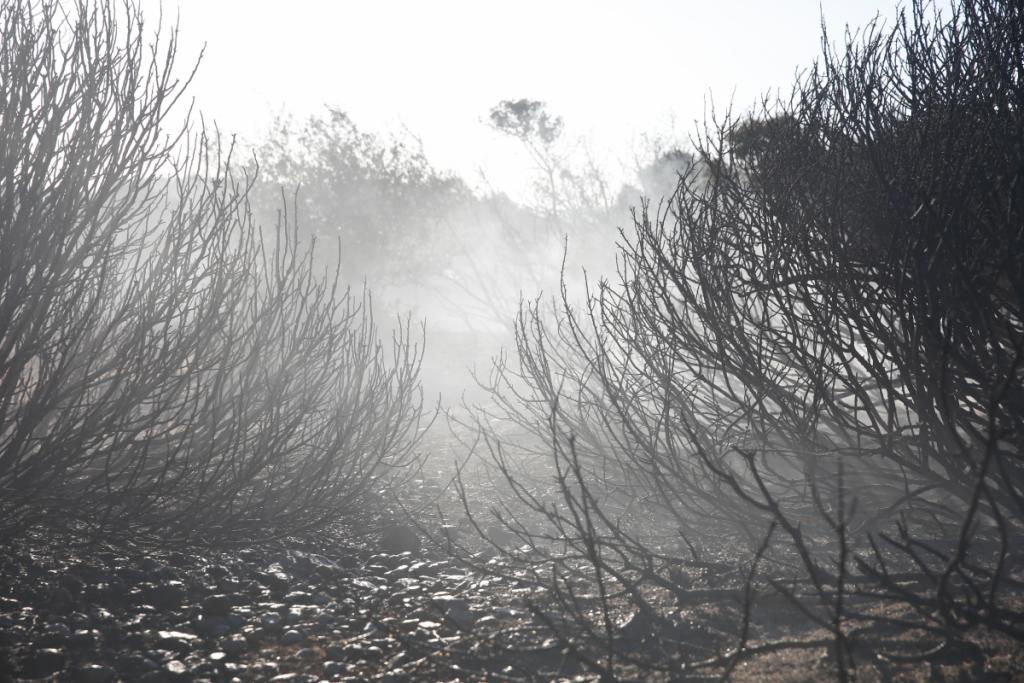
x,y
283,612
345,609
389,606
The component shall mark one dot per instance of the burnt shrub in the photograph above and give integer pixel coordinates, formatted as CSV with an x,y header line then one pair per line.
x,y
811,358
165,370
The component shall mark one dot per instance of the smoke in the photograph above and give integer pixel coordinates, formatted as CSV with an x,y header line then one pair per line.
x,y
430,247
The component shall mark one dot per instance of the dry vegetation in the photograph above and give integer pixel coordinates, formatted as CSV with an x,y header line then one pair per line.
x,y
783,442
812,355
165,371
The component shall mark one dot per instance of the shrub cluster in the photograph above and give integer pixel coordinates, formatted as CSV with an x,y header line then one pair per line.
x,y
164,369
813,352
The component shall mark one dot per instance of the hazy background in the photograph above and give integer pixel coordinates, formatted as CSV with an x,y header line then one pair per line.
x,y
615,71
380,112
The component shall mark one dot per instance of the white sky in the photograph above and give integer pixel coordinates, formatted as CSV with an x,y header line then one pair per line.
x,y
612,70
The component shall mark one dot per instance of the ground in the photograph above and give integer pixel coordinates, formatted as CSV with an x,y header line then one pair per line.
x,y
337,608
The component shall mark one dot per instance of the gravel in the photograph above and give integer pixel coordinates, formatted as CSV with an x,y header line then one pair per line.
x,y
281,612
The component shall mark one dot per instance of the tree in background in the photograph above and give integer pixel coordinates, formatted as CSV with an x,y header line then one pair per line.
x,y
566,192
378,206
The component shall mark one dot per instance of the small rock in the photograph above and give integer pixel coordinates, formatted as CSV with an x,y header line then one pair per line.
x,y
272,622
254,634
333,669
82,639
114,593
217,571
88,573
298,598
41,663
11,634
169,595
79,620
212,626
179,635
306,653
134,665
444,599
176,641
291,636
301,564
148,564
132,575
366,585
290,678
266,668
94,673
56,635
303,612
335,652
216,605
399,538
176,669
71,583
357,651
179,560
235,645
61,600
397,675
461,616
398,572
275,578
501,536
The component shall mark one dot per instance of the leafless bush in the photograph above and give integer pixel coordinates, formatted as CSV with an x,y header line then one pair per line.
x,y
163,370
817,343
